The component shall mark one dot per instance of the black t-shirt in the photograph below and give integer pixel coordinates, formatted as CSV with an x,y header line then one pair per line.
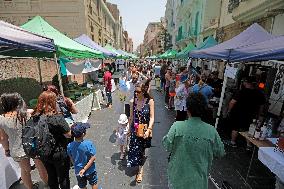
x,y
58,127
248,102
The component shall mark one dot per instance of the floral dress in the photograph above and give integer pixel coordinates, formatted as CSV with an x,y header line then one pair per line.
x,y
138,145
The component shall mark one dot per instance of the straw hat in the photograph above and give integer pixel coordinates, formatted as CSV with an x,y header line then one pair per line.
x,y
122,119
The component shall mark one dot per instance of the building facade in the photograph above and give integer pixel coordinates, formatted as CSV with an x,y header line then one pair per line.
x,y
71,17
153,39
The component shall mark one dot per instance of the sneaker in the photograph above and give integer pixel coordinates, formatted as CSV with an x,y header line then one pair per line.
x,y
230,143
36,185
76,187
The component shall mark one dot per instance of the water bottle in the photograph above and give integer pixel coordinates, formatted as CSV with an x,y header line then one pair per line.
x,y
269,128
252,128
263,132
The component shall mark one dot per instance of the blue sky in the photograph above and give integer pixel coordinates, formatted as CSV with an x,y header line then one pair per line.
x,y
136,15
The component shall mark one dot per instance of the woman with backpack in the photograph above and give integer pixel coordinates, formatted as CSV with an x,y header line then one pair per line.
x,y
57,163
64,105
11,124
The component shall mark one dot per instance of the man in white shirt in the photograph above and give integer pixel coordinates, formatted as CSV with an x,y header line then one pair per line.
x,y
130,93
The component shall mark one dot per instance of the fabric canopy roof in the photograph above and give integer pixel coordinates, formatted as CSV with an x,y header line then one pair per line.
x,y
17,42
209,42
123,53
164,54
184,53
272,49
66,47
253,34
113,50
85,40
171,54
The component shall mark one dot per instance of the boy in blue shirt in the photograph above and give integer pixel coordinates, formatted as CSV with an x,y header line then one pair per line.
x,y
82,154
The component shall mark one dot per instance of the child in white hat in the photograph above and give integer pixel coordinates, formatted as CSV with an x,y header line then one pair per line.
x,y
121,134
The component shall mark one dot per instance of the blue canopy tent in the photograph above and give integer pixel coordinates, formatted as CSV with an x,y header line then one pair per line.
x,y
17,42
226,50
272,49
85,40
252,35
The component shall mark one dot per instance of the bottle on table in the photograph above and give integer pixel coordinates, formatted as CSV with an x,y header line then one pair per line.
x,y
257,131
269,128
263,132
252,128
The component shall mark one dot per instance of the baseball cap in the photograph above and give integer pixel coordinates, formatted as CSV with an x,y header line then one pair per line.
x,y
79,128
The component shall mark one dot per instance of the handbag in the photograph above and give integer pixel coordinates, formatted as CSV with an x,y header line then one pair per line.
x,y
140,129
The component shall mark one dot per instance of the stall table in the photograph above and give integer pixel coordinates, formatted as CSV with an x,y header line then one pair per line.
x,y
256,144
273,159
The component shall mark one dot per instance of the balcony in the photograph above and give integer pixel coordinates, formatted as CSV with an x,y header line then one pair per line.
x,y
254,9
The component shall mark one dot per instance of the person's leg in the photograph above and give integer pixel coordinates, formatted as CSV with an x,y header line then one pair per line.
x,y
82,182
26,173
234,136
167,96
62,169
122,151
93,180
41,170
52,175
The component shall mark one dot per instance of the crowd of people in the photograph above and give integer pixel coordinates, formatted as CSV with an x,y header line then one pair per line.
x,y
187,90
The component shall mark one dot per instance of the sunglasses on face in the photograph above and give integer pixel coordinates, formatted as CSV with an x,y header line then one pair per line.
x,y
138,92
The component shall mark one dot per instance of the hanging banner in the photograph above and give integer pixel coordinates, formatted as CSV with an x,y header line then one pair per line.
x,y
277,95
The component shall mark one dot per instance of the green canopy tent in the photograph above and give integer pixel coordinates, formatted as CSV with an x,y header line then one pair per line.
x,y
171,54
184,53
112,49
209,42
65,46
163,56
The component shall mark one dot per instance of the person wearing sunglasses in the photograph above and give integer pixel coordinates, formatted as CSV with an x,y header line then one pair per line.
x,y
141,113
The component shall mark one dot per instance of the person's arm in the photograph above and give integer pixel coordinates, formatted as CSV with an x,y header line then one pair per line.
x,y
89,164
168,140
218,146
4,140
131,112
152,117
231,104
71,106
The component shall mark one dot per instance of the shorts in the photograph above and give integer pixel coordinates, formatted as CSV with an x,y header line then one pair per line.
x,y
92,178
172,94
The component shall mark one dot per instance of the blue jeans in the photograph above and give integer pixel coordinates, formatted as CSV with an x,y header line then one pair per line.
x,y
109,97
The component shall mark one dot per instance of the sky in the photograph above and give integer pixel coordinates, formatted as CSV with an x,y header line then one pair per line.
x,y
136,14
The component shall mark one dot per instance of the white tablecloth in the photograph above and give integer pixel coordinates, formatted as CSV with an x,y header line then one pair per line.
x,y
9,170
272,159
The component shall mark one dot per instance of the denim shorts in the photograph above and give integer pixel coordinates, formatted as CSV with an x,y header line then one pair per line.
x,y
92,178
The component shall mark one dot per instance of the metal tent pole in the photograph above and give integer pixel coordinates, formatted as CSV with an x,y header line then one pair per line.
x,y
59,75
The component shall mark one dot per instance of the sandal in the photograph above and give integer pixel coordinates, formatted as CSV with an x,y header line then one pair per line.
x,y
122,156
139,177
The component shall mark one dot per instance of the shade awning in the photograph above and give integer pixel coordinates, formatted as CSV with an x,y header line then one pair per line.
x,y
252,35
209,42
85,40
66,47
272,49
17,42
184,53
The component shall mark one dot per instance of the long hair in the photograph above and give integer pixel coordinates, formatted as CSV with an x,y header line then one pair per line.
x,y
53,88
144,88
46,104
14,102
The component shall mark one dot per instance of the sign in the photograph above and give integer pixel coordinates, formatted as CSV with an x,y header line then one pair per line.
x,y
231,72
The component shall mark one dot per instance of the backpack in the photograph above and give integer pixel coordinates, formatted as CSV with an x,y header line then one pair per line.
x,y
37,140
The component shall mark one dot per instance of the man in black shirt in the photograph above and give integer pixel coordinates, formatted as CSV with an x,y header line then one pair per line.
x,y
244,107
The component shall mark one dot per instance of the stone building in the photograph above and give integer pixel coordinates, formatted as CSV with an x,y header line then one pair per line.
x,y
153,39
71,17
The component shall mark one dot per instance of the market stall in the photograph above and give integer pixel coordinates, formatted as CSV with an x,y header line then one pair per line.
x,y
17,42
